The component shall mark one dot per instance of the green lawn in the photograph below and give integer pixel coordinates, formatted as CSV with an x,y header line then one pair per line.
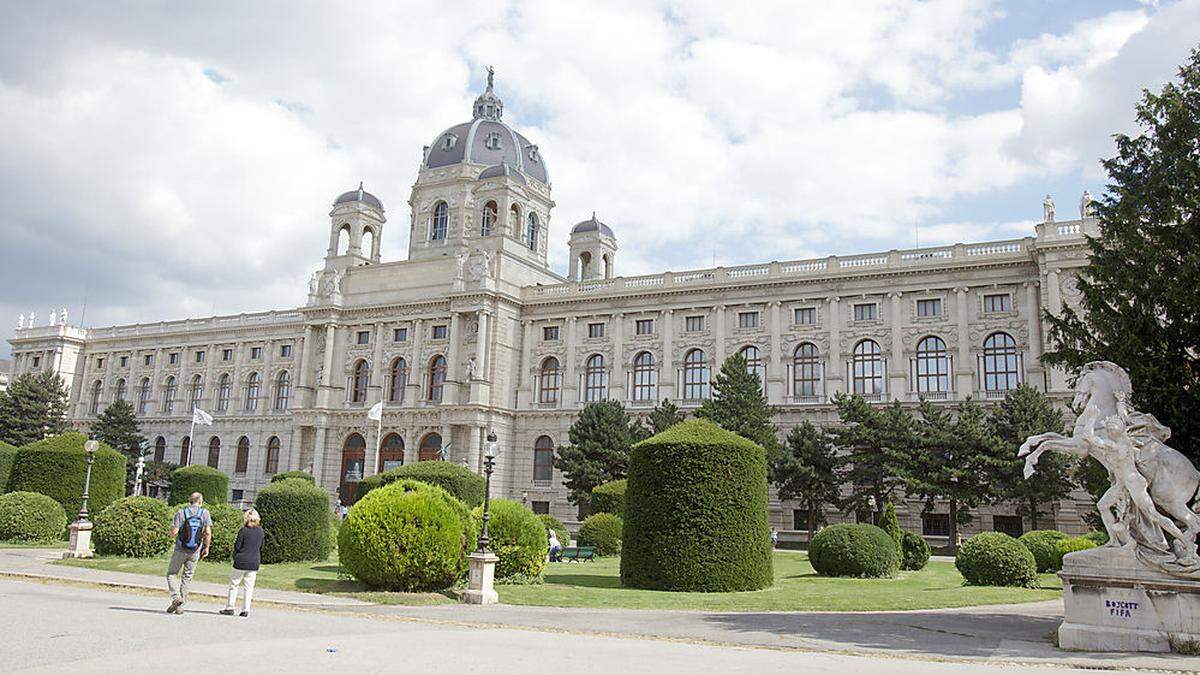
x,y
21,544
597,584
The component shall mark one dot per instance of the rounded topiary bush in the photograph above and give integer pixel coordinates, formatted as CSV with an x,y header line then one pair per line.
x,y
295,521
1043,544
31,517
518,538
602,530
1069,545
696,512
914,551
302,475
459,481
56,467
226,521
609,497
853,550
407,536
996,559
552,523
8,453
185,480
137,527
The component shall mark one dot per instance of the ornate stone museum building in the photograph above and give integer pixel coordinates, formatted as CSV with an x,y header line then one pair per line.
x,y
474,331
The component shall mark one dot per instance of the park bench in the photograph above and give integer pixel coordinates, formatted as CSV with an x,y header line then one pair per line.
x,y
578,553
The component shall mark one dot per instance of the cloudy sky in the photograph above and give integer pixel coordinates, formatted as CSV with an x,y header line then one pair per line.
x,y
162,160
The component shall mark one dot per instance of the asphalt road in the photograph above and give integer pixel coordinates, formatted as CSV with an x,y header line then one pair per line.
x,y
52,628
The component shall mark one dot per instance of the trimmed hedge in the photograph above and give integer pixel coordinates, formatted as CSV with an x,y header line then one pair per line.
x,y
136,527
295,521
914,551
407,536
518,538
609,498
31,517
996,559
459,481
185,480
1043,544
57,467
303,475
552,523
1069,545
8,453
696,512
853,550
602,530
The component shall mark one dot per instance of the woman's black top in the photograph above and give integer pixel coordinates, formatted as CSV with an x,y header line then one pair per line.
x,y
247,548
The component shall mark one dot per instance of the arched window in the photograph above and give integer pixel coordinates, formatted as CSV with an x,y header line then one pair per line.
x,y
585,265
543,459
94,403
143,396
806,373
531,232
645,377
695,376
398,380
391,452
354,456
242,459
224,389
430,448
440,221
595,379
272,465
488,221
252,387
122,388
932,366
549,381
168,402
754,364
368,242
343,240
283,390
514,220
606,266
359,381
214,452
867,369
1001,370
197,391
185,451
160,449
437,378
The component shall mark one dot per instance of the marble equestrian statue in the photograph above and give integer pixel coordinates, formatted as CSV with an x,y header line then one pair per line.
x,y
1152,505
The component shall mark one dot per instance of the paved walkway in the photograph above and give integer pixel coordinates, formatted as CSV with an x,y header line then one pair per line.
x,y
998,634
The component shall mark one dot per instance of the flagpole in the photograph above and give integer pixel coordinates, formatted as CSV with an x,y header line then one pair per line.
x,y
192,436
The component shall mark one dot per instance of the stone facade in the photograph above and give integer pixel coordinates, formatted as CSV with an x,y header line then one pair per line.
x,y
458,338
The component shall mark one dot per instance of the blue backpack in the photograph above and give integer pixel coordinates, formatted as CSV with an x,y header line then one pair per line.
x,y
191,531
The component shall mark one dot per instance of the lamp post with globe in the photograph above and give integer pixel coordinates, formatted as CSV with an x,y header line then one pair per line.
x,y
482,562
81,529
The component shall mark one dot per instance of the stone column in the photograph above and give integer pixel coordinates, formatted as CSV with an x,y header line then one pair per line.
x,y
450,392
156,389
898,368
834,369
474,449
616,382
319,458
1033,313
304,369
964,367
570,389
376,389
479,389
524,386
1058,379
416,367
323,393
774,386
718,339
448,439
666,375
209,385
295,447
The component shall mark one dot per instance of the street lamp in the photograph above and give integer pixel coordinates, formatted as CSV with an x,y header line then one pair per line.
x,y
81,529
489,466
482,562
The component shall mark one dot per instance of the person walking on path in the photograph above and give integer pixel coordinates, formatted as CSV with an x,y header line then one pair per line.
x,y
555,547
192,532
246,559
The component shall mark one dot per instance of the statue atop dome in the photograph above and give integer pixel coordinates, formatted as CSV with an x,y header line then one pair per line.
x,y
488,105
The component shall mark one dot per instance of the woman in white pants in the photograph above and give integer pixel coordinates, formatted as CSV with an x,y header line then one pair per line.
x,y
246,559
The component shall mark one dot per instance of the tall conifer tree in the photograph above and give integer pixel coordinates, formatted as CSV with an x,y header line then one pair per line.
x,y
1025,412
598,451
33,407
738,404
807,471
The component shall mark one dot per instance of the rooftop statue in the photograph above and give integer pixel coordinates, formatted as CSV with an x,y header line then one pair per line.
x,y
1151,507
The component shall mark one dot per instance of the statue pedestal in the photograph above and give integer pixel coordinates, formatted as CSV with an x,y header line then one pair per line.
x,y
1116,603
480,586
81,540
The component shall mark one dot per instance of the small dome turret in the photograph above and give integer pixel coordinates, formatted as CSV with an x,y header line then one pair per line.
x,y
359,195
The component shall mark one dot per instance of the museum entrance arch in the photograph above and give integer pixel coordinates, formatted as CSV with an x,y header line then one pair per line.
x,y
430,449
391,452
354,456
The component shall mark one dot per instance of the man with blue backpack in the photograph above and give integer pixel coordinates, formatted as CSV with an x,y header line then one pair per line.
x,y
192,532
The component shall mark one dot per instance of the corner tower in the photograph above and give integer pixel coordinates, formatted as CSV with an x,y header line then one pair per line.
x,y
593,250
355,229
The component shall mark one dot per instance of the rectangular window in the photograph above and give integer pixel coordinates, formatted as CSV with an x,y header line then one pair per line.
x,y
644,326
867,311
540,508
199,356
595,330
998,302
37,361
1010,525
400,335
800,519
549,333
236,495
124,361
363,337
930,307
285,351
100,363
173,358
806,316
147,359
693,324
747,319
226,354
256,353
439,332
935,524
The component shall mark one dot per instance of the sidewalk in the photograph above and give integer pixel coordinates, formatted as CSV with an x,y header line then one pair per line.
x,y
994,634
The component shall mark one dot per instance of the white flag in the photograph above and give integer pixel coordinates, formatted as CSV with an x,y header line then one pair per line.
x,y
376,412
201,417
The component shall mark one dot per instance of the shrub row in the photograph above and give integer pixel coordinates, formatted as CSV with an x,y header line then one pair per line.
x,y
31,517
211,483
603,531
295,521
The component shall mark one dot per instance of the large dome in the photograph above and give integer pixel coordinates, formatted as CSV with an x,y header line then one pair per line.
x,y
488,141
